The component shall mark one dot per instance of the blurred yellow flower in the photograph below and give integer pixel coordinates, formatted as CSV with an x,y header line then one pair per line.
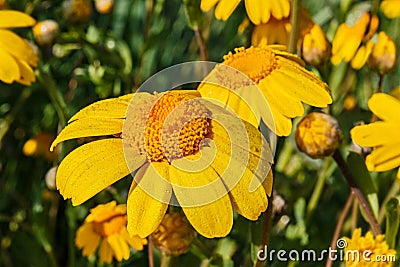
x,y
383,55
258,11
382,136
275,31
367,251
166,138
106,226
391,8
315,48
351,42
274,78
16,56
39,146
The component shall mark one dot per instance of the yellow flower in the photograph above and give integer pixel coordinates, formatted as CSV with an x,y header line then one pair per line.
x,y
16,56
39,146
258,11
106,226
382,136
315,48
275,31
347,43
184,149
383,55
391,8
262,81
367,251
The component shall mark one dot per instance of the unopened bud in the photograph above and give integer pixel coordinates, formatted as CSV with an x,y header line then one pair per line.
x,y
383,55
315,48
46,32
318,135
174,235
104,6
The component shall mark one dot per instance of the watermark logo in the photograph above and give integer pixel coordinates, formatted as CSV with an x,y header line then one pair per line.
x,y
340,253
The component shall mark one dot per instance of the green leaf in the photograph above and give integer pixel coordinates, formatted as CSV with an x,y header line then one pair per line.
x,y
392,221
363,179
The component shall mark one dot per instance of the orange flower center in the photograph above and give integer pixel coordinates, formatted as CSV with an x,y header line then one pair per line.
x,y
111,226
256,62
175,127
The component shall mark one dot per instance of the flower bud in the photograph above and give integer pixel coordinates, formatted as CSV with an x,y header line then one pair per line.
x,y
315,48
104,6
39,146
77,11
383,55
318,135
174,235
46,32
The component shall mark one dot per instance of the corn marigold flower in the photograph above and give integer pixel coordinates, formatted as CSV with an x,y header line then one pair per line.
x,y
105,226
174,235
275,83
258,11
383,55
318,135
17,57
351,42
315,48
382,136
391,8
275,31
46,31
170,139
367,251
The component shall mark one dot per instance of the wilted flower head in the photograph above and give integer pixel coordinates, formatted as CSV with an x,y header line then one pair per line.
x,y
315,48
384,54
318,135
46,31
174,235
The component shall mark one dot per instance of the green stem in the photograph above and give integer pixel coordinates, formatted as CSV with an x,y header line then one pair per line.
x,y
375,7
71,235
266,231
168,261
294,19
9,118
55,96
394,189
319,186
337,156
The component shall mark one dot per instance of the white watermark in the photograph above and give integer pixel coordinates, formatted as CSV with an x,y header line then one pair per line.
x,y
312,255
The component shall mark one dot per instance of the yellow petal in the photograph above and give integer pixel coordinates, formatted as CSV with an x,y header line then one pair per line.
x,y
106,252
203,197
87,127
398,174
386,107
110,108
237,178
135,241
13,44
207,4
258,11
13,19
391,9
375,134
225,8
280,9
9,70
145,212
91,168
361,56
87,239
27,75
384,157
120,248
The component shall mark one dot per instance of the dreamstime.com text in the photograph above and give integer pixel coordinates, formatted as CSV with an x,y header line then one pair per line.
x,y
311,255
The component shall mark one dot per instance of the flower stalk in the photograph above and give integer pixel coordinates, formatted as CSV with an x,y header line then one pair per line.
x,y
337,156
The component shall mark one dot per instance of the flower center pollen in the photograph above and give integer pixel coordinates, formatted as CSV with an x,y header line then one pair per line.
x,y
256,62
175,126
